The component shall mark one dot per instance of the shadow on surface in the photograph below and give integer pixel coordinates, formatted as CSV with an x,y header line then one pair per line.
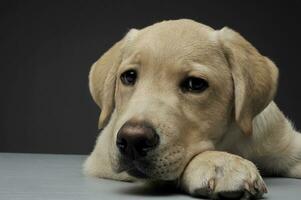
x,y
154,189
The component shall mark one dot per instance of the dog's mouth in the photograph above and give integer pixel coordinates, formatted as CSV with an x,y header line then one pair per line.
x,y
137,173
168,166
136,168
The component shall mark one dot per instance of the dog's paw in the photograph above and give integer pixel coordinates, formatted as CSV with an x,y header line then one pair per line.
x,y
220,175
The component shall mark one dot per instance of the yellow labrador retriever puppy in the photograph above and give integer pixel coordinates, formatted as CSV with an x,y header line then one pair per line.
x,y
181,101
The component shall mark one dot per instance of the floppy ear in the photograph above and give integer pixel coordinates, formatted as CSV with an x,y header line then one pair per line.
x,y
102,78
255,77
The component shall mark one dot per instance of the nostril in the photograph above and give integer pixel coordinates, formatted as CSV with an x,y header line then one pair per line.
x,y
121,144
154,141
147,144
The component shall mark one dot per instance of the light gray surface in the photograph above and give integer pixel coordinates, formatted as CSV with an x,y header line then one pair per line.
x,y
45,177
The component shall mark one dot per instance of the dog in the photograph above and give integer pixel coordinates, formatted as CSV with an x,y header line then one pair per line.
x,y
185,103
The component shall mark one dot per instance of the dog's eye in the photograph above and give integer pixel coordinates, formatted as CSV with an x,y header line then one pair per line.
x,y
128,77
193,84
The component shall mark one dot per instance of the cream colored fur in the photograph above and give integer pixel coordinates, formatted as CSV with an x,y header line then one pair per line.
x,y
236,114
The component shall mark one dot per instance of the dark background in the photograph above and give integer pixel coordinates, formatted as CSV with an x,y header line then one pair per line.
x,y
47,48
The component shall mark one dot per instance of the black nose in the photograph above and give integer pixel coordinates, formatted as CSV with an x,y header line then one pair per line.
x,y
134,140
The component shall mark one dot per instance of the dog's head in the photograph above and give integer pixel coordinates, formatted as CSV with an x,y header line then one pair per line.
x,y
173,89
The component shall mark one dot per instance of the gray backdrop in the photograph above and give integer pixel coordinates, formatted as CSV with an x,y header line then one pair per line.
x,y
47,47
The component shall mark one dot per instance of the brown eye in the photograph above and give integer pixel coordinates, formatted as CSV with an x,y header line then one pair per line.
x,y
193,84
129,77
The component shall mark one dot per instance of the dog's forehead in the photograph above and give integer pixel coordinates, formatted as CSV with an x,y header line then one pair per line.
x,y
176,29
171,41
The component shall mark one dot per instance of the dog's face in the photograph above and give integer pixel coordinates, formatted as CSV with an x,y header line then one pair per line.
x,y
171,91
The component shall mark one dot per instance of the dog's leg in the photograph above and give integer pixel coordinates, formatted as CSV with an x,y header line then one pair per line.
x,y
98,164
277,151
217,174
294,170
275,146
